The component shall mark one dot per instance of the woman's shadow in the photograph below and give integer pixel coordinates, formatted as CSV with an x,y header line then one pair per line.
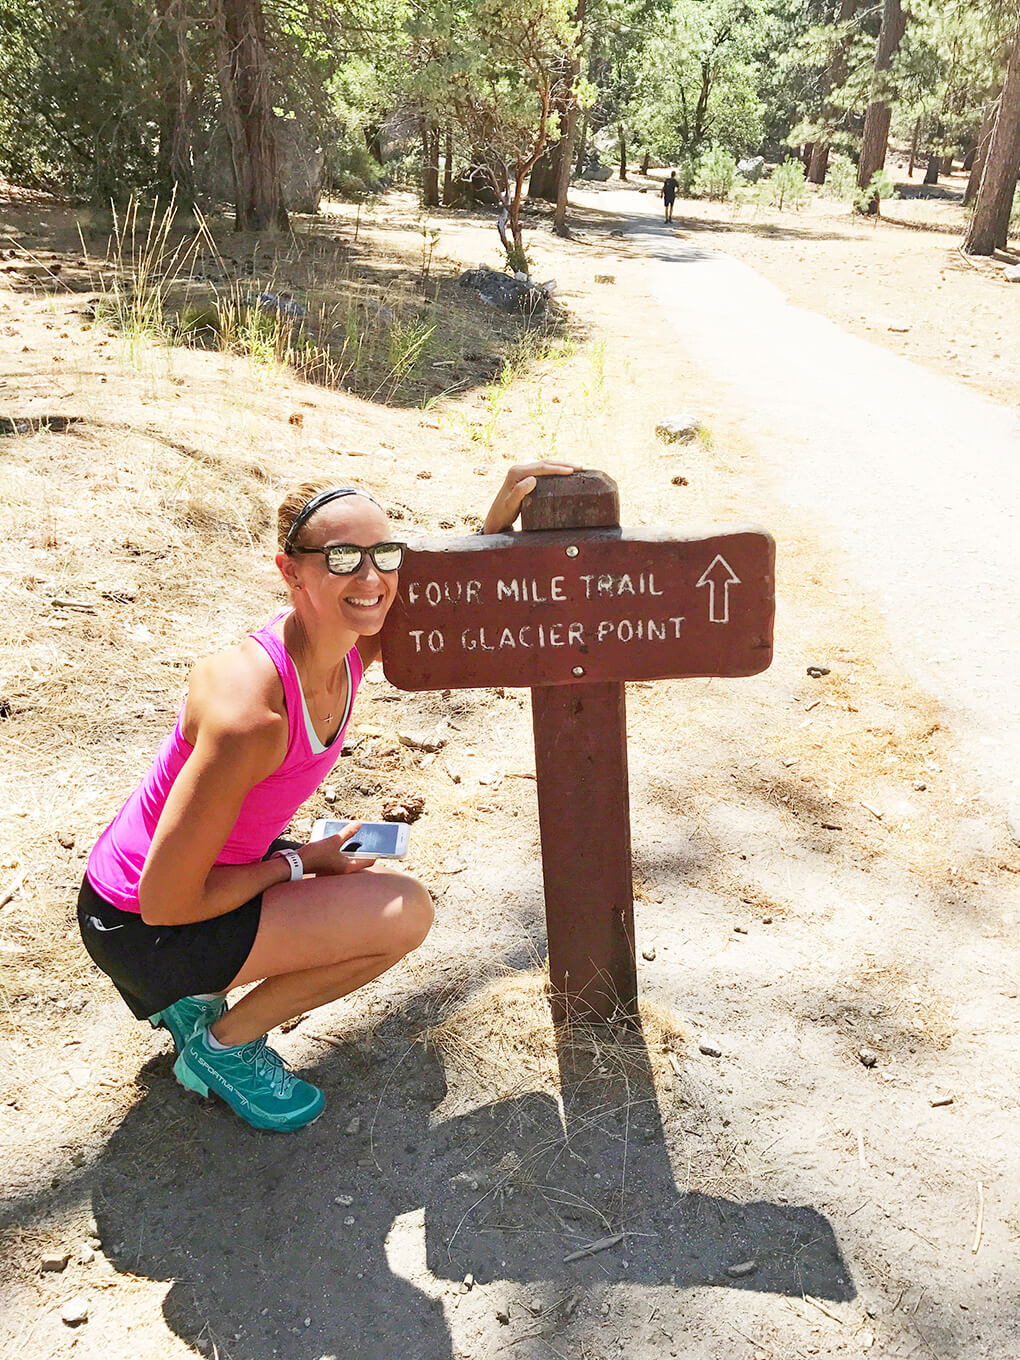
x,y
275,1244
278,1245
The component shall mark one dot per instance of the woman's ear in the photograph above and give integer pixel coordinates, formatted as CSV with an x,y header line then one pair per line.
x,y
286,567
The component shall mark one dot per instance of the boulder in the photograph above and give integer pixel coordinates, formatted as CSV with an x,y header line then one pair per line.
x,y
752,168
593,168
678,429
1012,273
508,293
279,305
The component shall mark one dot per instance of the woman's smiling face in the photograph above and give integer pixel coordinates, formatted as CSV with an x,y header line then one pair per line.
x,y
358,602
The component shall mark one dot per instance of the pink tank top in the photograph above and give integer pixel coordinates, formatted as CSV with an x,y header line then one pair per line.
x,y
115,864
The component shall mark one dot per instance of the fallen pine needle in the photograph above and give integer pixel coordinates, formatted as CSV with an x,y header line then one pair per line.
x,y
674,1062
603,1244
980,1219
874,811
822,1308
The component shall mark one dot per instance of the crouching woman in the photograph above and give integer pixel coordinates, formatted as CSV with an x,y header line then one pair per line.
x,y
189,894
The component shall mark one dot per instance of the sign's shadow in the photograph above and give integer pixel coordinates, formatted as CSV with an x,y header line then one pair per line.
x,y
258,1233
518,1186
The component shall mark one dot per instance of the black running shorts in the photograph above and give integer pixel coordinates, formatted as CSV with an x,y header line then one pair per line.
x,y
154,966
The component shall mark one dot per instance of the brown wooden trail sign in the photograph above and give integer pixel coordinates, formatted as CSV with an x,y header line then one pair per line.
x,y
572,608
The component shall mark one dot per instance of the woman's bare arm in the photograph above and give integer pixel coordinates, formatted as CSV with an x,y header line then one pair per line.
x,y
239,738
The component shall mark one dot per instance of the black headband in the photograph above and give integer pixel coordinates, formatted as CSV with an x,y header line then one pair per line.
x,y
316,503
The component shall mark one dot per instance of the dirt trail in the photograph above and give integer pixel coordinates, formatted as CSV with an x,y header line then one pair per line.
x,y
915,477
826,899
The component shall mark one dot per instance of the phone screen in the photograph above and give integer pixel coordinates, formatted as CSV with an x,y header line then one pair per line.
x,y
374,838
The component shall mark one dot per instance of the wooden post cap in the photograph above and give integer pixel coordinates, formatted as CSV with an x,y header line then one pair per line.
x,y
582,500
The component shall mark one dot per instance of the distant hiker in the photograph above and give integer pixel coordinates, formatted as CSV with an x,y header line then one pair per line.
x,y
189,892
669,188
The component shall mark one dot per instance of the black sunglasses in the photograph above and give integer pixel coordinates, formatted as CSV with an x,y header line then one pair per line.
x,y
345,559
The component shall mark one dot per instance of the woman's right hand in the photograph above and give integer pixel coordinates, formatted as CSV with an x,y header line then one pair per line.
x,y
328,855
518,483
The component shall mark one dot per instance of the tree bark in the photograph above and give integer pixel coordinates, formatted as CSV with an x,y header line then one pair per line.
x,y
931,174
429,164
989,226
981,152
545,173
247,110
565,167
914,140
623,153
818,166
448,169
175,166
876,122
646,161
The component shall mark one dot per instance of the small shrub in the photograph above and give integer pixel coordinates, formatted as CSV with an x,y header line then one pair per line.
x,y
786,187
716,174
840,179
879,188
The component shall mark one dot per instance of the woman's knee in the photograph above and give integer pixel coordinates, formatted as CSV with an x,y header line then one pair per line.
x,y
416,915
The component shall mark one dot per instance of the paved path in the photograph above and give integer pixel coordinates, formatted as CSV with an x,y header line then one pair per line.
x,y
915,476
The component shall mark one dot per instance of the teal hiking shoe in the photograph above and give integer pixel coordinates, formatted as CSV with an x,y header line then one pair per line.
x,y
254,1081
187,1017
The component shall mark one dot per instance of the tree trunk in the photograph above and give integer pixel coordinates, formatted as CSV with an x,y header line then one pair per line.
x,y
623,153
566,164
989,226
247,111
876,122
807,151
429,164
931,174
448,169
981,152
545,174
646,161
818,167
175,165
373,141
946,167
914,139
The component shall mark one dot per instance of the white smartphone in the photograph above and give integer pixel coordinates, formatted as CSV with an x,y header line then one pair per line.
x,y
373,840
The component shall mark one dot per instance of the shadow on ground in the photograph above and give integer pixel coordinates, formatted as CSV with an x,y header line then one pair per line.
x,y
278,1246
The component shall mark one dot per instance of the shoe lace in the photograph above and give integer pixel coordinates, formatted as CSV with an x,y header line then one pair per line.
x,y
269,1066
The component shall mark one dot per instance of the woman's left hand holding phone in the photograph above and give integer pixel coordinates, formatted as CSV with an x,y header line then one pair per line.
x,y
329,857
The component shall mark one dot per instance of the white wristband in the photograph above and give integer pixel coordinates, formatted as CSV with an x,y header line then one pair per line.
x,y
297,868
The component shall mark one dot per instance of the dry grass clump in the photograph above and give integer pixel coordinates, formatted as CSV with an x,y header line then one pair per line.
x,y
911,1003
504,1040
392,333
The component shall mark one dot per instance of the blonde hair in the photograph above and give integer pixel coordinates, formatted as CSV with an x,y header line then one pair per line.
x,y
292,504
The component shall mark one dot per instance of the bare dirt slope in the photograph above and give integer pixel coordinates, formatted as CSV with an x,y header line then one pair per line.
x,y
820,885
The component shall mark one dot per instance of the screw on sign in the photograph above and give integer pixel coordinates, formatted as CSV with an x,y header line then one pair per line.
x,y
572,608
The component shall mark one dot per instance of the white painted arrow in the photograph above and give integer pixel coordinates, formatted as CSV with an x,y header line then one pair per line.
x,y
718,573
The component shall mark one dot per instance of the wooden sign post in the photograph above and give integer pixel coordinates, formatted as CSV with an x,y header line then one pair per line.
x,y
572,608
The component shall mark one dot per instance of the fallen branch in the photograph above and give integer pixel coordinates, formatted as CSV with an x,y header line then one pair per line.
x,y
12,887
59,603
980,1219
603,1244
